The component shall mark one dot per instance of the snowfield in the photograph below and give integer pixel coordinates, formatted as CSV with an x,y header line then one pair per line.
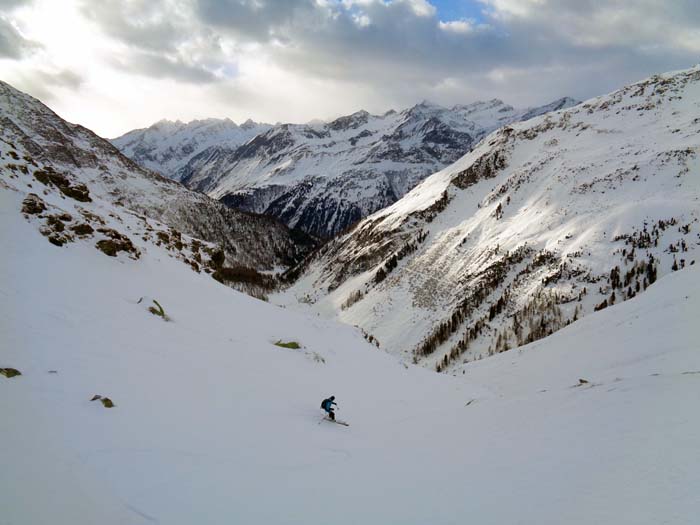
x,y
215,424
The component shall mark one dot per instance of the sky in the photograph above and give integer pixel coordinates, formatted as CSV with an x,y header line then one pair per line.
x,y
116,65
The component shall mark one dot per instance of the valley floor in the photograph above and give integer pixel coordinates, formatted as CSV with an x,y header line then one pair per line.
x,y
213,423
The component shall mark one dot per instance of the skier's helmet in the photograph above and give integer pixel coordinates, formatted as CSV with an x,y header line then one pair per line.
x,y
332,397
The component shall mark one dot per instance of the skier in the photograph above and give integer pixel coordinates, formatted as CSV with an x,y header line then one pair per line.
x,y
327,405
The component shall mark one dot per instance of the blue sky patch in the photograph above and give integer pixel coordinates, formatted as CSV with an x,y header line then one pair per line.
x,y
458,9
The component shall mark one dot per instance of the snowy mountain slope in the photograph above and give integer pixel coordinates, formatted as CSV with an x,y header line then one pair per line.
x,y
323,177
542,223
42,154
166,146
214,424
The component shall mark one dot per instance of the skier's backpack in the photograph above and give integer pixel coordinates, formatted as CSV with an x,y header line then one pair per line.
x,y
323,404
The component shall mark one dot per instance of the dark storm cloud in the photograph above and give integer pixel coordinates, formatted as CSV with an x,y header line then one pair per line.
x,y
12,44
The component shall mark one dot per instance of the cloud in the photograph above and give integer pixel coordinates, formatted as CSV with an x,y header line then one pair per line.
x,y
68,79
143,24
564,47
257,20
302,59
12,44
43,84
162,40
457,26
161,66
387,43
632,24
6,5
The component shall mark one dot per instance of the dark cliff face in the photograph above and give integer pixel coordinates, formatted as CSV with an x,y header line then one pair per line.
x,y
215,157
266,145
452,143
322,207
353,121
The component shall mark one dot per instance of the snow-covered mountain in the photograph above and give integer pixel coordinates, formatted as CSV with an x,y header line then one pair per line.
x,y
323,177
81,185
166,146
211,422
542,223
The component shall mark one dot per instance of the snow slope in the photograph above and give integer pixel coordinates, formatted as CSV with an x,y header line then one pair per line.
x,y
215,424
543,222
323,177
166,145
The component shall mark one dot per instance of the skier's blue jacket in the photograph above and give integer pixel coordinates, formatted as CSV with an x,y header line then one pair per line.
x,y
327,404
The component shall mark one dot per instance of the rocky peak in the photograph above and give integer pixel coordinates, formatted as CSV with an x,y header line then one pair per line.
x,y
249,124
353,121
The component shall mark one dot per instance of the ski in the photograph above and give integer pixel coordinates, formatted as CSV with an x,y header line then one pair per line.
x,y
338,421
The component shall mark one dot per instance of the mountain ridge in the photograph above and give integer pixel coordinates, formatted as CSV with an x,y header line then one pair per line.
x,y
166,144
322,177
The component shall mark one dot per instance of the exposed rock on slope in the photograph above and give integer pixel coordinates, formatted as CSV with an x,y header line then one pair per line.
x,y
42,154
542,223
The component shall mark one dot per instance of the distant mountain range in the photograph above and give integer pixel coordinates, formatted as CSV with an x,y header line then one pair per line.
x,y
320,177
167,146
